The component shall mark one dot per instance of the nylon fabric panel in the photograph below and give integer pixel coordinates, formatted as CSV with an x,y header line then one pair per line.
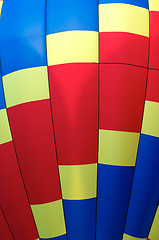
x,y
139,3
153,5
151,119
83,185
49,219
153,86
148,150
26,86
81,47
5,232
125,48
154,48
137,19
80,216
85,16
112,149
139,219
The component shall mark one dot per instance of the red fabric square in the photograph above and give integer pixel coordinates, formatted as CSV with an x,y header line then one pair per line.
x,y
29,119
75,113
13,195
77,147
152,93
154,40
22,224
120,80
36,152
5,232
8,160
121,114
73,79
120,47
43,186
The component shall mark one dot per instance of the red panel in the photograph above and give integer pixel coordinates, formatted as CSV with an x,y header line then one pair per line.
x,y
36,152
122,114
152,93
74,94
5,233
29,119
13,196
9,165
154,40
78,147
119,47
75,113
43,186
22,224
74,79
122,81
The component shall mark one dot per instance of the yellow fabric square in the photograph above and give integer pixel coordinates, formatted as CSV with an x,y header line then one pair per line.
x,y
118,148
128,237
49,218
154,5
26,85
154,232
1,3
119,17
78,181
72,46
150,124
5,133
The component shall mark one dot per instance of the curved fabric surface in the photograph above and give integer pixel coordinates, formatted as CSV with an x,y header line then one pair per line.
x,y
79,113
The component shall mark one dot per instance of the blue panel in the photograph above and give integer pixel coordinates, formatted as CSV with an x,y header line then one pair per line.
x,y
139,3
63,237
9,5
111,217
71,16
22,24
2,100
81,236
139,219
23,53
145,186
80,218
114,182
55,2
148,153
100,236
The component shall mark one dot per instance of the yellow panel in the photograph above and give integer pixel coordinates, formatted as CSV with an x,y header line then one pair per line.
x,y
5,133
1,3
150,124
49,218
118,17
118,148
72,46
78,181
128,237
26,85
154,5
154,232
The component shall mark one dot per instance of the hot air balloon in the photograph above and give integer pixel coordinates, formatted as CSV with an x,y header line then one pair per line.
x,y
79,120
